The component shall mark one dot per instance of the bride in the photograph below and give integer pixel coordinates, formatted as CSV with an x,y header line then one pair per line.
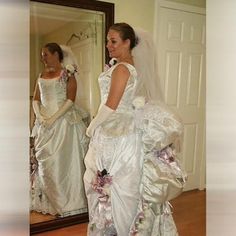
x,y
130,134
59,137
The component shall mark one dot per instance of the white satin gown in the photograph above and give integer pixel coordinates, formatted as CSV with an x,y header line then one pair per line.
x,y
58,182
114,170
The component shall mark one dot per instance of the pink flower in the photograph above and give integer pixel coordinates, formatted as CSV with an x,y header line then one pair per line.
x,y
68,71
102,183
111,63
71,69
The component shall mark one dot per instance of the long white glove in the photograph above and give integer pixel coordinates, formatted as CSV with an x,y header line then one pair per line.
x,y
61,111
103,113
36,108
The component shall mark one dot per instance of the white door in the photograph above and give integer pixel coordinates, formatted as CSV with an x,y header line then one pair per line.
x,y
181,48
88,89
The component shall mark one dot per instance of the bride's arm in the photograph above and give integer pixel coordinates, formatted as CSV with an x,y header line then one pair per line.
x,y
119,81
71,88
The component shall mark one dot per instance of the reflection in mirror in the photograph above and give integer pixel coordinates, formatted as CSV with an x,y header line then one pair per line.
x,y
83,31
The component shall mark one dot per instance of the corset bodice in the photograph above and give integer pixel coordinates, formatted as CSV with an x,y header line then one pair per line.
x,y
52,94
125,104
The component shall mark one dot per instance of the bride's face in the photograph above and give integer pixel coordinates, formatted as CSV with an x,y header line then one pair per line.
x,y
116,45
47,57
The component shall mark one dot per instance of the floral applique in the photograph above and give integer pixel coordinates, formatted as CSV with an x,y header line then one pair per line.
x,y
139,102
144,218
167,154
67,71
102,183
170,164
102,217
71,69
111,63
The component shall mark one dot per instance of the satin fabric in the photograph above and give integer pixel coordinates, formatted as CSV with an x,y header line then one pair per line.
x,y
116,148
58,187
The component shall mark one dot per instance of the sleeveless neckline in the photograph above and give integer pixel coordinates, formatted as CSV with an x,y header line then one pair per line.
x,y
57,77
122,62
53,78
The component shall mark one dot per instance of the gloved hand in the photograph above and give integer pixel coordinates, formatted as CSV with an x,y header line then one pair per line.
x,y
61,111
36,108
103,113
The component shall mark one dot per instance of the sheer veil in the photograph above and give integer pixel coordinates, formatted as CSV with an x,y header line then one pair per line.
x,y
145,61
148,85
69,58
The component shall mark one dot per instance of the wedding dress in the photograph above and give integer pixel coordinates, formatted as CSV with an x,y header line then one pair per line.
x,y
58,181
116,174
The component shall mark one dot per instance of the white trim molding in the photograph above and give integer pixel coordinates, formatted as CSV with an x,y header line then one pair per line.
x,y
182,7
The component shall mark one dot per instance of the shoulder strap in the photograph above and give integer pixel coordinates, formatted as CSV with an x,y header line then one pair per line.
x,y
130,67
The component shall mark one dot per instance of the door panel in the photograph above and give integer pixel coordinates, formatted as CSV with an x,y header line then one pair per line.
x,y
181,48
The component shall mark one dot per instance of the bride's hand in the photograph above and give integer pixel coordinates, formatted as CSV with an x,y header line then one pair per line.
x,y
47,123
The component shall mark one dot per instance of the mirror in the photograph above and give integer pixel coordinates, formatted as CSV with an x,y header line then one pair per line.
x,y
82,25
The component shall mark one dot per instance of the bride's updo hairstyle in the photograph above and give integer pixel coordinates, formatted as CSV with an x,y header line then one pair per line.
x,y
126,32
54,47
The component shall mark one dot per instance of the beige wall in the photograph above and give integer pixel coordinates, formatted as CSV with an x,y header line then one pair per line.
x,y
137,13
35,64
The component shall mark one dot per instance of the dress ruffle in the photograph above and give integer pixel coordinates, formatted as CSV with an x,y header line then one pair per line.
x,y
161,127
163,177
162,181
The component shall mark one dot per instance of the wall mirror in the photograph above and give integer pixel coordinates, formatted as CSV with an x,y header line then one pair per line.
x,y
82,25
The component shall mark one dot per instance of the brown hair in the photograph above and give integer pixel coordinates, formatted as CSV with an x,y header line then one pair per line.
x,y
126,32
54,47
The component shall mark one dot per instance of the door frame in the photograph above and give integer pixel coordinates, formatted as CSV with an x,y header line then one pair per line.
x,y
190,9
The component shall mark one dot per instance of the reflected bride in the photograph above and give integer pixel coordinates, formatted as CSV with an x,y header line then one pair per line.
x,y
59,137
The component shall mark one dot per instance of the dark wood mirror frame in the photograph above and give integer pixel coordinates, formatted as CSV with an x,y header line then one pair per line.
x,y
108,10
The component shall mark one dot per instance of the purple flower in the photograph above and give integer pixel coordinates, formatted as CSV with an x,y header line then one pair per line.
x,y
167,154
102,183
68,71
